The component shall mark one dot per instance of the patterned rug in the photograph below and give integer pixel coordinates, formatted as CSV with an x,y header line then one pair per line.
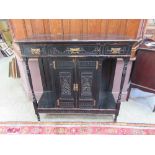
x,y
76,128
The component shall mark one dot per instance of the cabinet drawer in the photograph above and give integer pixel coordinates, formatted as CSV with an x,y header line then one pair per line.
x,y
34,50
116,50
73,50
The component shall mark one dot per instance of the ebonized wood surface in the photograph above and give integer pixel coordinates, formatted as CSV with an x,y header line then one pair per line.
x,y
77,71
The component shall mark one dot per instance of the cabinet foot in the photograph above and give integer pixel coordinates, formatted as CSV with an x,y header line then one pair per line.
x,y
115,119
128,94
35,109
38,117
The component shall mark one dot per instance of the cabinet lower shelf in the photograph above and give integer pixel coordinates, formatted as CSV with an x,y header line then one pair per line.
x,y
107,105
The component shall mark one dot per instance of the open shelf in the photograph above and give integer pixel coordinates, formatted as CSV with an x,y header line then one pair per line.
x,y
47,100
108,101
47,104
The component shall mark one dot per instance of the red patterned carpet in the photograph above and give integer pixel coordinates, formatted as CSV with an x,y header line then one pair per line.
x,y
76,128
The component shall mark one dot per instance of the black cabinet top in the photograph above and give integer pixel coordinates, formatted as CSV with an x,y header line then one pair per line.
x,y
77,38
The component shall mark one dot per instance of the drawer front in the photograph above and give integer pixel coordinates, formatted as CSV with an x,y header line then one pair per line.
x,y
73,50
117,50
34,50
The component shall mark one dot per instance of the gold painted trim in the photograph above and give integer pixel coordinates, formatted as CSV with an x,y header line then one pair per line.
x,y
97,65
54,65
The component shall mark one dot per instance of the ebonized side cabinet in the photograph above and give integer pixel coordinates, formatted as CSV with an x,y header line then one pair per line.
x,y
77,72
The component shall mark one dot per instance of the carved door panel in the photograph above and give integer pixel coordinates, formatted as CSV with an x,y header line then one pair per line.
x,y
64,82
75,83
87,83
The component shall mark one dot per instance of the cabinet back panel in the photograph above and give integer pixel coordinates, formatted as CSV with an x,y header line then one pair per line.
x,y
25,28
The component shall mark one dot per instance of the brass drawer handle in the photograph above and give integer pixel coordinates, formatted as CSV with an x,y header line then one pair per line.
x,y
75,87
115,50
35,51
74,50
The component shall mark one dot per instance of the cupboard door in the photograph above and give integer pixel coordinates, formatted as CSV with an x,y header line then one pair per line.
x,y
87,83
64,81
